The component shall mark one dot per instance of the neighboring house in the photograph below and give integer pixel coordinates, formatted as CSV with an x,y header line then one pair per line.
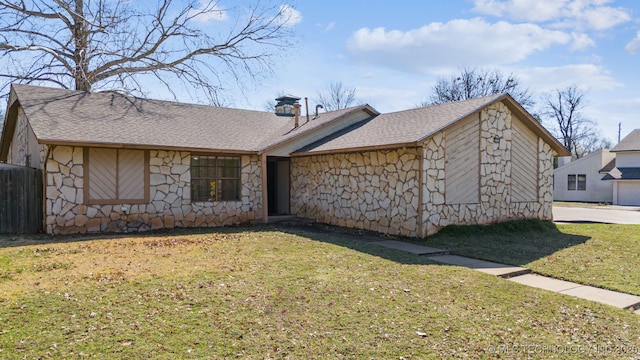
x,y
117,163
625,176
580,180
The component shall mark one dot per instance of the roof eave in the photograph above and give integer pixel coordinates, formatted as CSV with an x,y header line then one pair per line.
x,y
426,137
9,127
366,108
356,149
145,147
535,126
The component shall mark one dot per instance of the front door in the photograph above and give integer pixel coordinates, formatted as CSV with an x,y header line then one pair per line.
x,y
278,185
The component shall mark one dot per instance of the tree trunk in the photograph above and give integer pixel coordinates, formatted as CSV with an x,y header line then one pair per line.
x,y
80,37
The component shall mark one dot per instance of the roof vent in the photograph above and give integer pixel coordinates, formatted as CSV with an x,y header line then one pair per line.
x,y
286,105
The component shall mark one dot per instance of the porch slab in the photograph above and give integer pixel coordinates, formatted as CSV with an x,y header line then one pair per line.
x,y
410,248
488,267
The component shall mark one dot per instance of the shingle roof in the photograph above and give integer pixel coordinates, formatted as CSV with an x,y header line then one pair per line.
x,y
403,127
610,165
110,119
623,173
65,116
630,142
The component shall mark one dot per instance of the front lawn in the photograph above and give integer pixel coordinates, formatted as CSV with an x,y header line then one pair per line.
x,y
601,255
263,293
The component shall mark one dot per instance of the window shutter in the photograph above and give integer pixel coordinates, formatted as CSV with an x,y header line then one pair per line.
x,y
131,174
102,174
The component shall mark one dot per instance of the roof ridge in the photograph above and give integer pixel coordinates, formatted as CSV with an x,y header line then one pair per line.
x,y
452,103
133,97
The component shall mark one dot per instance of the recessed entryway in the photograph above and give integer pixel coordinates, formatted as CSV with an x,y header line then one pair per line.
x,y
278,183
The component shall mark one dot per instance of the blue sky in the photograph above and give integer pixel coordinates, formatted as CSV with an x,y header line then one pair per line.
x,y
393,52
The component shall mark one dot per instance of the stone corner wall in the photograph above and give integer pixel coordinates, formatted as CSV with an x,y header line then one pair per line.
x,y
371,190
495,203
169,203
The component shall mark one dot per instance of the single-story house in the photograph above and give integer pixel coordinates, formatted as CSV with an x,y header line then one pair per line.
x,y
625,175
581,179
117,163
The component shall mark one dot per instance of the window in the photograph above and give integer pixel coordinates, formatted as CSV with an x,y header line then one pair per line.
x,y
571,181
582,182
577,182
116,176
215,178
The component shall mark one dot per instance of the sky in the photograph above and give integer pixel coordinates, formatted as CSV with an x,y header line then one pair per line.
x,y
392,53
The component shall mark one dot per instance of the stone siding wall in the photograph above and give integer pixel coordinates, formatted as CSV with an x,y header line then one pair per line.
x,y
373,190
495,178
169,203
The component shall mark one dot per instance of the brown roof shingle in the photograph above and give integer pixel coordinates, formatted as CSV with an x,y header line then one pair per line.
x,y
403,127
108,118
630,142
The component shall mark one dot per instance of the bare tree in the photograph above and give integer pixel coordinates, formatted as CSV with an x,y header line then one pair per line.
x,y
474,83
563,109
102,44
593,143
336,97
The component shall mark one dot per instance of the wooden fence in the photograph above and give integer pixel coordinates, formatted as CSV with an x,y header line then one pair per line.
x,y
20,200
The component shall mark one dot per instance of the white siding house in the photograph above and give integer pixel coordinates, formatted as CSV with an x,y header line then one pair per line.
x,y
581,180
625,177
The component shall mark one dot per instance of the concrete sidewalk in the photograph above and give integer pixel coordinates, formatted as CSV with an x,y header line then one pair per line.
x,y
520,275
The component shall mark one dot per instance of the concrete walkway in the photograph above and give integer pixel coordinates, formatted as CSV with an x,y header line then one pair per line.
x,y
520,275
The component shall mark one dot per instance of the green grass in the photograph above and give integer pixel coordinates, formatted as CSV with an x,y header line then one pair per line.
x,y
580,204
601,255
269,293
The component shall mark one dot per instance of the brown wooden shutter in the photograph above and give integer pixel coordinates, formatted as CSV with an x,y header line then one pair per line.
x,y
131,179
102,174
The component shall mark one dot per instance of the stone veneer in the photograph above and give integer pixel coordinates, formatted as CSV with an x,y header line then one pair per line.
x,y
496,204
378,190
373,190
169,203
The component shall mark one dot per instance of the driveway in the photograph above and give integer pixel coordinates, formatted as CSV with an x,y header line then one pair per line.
x,y
599,214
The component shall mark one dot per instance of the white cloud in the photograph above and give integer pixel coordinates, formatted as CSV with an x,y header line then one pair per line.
x,y
390,98
330,26
208,12
452,44
592,14
288,16
581,41
634,45
602,18
585,76
537,11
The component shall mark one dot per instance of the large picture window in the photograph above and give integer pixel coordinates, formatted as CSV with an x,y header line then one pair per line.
x,y
116,176
215,178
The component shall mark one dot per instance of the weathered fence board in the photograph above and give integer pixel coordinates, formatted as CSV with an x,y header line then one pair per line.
x,y
20,200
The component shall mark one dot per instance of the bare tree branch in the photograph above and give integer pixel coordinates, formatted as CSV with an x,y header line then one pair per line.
x,y
474,83
336,97
563,108
96,44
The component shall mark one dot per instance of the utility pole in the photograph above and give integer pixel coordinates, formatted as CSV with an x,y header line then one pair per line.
x,y
619,130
